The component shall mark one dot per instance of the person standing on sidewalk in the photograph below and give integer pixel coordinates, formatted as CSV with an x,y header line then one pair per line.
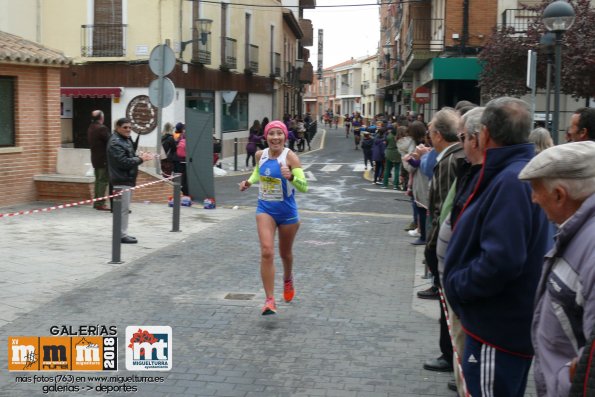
x,y
450,155
495,256
123,168
461,189
277,167
393,158
97,135
563,184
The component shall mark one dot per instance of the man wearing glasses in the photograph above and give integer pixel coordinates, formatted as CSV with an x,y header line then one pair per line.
x,y
123,168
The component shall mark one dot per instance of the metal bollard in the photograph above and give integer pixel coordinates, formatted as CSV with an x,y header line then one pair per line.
x,y
235,154
116,228
177,195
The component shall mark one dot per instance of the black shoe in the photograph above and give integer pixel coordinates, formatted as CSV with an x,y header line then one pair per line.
x,y
438,364
128,240
452,385
430,293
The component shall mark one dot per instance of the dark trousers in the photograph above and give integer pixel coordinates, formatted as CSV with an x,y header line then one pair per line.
x,y
492,372
378,167
253,155
101,184
420,218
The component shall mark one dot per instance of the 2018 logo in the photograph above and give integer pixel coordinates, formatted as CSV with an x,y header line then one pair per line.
x,y
149,348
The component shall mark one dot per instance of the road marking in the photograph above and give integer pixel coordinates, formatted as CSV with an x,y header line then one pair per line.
x,y
391,190
306,166
359,168
331,167
310,176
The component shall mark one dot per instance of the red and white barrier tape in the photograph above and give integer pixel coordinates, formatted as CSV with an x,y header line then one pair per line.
x,y
456,356
61,206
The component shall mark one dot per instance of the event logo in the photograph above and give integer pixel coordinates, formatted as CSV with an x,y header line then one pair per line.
x,y
149,348
55,353
23,353
62,353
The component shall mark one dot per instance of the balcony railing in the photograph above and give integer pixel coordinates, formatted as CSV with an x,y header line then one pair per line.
x,y
425,35
230,50
275,64
252,59
518,19
104,40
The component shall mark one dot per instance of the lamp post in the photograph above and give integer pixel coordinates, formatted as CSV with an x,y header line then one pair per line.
x,y
299,65
547,43
558,17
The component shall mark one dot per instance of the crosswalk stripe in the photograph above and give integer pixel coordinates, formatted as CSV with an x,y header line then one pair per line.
x,y
310,176
331,167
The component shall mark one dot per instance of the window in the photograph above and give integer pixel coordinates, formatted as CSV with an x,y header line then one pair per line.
x,y
7,136
235,114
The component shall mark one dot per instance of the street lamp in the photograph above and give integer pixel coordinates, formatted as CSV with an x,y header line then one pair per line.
x,y
558,17
203,27
547,43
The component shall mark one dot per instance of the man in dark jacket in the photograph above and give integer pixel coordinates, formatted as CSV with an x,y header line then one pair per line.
x,y
494,258
97,136
123,168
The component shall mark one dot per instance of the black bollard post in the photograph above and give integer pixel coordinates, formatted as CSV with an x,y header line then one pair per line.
x,y
116,227
177,195
235,154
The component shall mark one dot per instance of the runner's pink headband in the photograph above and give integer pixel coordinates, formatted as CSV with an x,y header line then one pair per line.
x,y
276,124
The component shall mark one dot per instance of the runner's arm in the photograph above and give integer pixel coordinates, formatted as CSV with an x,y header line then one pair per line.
x,y
298,179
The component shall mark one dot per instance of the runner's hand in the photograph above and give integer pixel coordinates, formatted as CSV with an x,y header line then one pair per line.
x,y
286,172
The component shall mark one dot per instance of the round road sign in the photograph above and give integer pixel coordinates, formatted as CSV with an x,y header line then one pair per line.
x,y
422,95
162,60
168,92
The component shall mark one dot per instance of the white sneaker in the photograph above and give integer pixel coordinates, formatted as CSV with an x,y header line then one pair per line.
x,y
414,233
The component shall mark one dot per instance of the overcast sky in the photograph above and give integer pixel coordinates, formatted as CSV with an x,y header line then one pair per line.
x,y
348,31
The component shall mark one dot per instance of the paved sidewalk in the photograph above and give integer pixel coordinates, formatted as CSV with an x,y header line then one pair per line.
x,y
47,254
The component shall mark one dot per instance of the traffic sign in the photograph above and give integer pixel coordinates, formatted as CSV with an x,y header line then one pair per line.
x,y
169,91
422,95
162,60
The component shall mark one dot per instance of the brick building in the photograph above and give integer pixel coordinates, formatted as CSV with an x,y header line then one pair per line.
x,y
29,115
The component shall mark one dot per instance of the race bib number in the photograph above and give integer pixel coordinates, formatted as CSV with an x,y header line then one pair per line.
x,y
271,189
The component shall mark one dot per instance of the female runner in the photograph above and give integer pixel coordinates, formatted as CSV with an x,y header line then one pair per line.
x,y
276,168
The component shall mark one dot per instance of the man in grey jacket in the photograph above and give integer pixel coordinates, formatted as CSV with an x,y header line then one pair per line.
x,y
563,183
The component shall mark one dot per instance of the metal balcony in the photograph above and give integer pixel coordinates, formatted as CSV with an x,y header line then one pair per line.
x,y
229,48
103,40
424,35
252,59
275,64
517,19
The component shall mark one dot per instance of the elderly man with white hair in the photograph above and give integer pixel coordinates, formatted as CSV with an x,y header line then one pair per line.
x,y
563,182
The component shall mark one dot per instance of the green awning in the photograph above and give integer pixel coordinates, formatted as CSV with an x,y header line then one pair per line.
x,y
456,68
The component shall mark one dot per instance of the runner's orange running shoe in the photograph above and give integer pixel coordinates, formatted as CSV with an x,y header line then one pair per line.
x,y
288,290
269,307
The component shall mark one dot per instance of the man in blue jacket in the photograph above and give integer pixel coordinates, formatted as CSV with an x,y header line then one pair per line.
x,y
494,259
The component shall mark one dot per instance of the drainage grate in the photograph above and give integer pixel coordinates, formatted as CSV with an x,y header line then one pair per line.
x,y
239,297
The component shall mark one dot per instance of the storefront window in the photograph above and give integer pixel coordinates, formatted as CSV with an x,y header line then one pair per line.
x,y
235,114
